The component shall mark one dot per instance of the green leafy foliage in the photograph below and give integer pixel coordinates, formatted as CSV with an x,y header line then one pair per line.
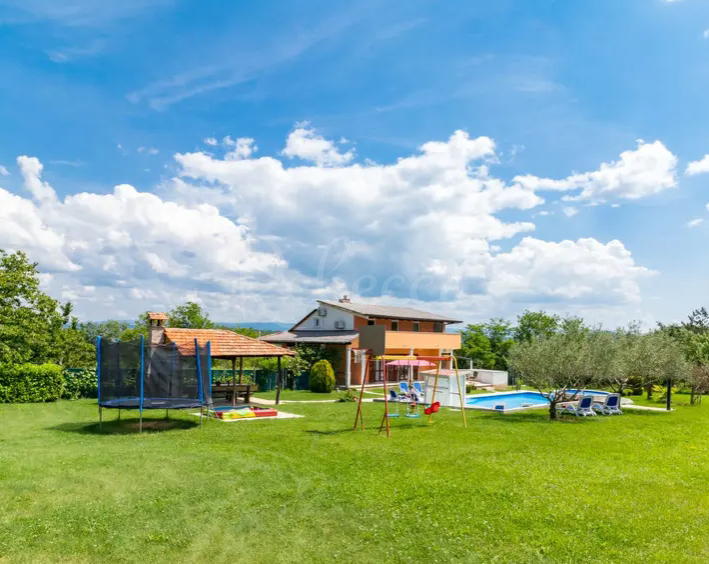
x,y
533,324
26,383
80,383
191,316
487,344
30,321
110,330
141,328
349,395
322,377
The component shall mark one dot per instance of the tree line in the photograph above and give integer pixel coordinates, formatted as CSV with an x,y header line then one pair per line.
x,y
36,328
557,354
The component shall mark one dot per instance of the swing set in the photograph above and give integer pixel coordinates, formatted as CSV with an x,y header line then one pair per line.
x,y
365,355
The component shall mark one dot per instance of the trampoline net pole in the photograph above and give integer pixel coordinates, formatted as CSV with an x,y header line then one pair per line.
x,y
142,378
98,378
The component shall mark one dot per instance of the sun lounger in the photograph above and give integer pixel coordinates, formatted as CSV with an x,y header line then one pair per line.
x,y
393,396
403,388
583,409
611,406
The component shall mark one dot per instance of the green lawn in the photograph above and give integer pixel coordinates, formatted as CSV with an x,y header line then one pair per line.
x,y
509,488
299,395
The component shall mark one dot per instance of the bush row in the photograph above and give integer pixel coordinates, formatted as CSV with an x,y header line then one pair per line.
x,y
26,383
80,383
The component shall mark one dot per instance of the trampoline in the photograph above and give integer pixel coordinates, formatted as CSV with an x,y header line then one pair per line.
x,y
136,375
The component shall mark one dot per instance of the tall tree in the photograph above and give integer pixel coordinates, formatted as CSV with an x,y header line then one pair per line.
x,y
141,328
697,321
696,346
30,321
500,333
191,316
533,324
476,345
110,329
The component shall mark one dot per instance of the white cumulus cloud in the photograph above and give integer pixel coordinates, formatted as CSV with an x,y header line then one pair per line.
x,y
305,143
698,167
259,237
695,222
638,173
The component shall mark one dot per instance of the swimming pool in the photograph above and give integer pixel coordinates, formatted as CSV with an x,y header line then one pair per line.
x,y
516,400
511,400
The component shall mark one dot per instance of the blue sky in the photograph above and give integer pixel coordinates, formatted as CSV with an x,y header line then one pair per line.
x,y
341,100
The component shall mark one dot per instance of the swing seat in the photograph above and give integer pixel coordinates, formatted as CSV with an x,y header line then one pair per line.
x,y
433,409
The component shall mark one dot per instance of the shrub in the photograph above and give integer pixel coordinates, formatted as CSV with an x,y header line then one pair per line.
x,y
349,395
80,383
322,377
25,383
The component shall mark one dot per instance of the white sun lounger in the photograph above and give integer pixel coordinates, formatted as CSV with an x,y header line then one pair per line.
x,y
611,406
583,409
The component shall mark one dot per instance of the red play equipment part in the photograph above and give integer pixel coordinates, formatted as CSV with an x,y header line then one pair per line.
x,y
433,409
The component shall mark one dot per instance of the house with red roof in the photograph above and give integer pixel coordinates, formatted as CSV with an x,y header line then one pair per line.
x,y
402,331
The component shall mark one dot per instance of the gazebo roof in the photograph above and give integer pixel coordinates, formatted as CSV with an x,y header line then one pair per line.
x,y
224,343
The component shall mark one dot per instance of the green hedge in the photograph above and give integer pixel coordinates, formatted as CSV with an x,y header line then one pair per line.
x,y
25,383
80,383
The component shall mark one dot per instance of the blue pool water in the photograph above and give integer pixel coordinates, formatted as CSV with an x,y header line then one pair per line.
x,y
517,399
510,400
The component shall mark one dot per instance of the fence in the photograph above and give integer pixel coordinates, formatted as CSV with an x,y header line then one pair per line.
x,y
265,379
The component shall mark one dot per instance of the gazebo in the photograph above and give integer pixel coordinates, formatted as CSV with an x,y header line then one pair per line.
x,y
225,345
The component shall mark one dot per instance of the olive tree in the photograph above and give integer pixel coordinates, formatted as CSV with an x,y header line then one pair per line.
x,y
622,354
657,358
557,362
696,349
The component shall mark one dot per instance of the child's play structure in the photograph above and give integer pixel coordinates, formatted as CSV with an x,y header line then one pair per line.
x,y
435,394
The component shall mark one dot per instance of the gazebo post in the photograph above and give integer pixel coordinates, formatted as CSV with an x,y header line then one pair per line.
x,y
233,381
278,382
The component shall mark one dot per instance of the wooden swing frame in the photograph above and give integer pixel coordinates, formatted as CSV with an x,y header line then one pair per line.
x,y
367,357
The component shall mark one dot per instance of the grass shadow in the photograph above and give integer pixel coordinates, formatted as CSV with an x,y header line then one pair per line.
x,y
126,426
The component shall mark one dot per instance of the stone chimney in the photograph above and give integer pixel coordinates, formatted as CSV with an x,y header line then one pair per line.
x,y
344,299
157,328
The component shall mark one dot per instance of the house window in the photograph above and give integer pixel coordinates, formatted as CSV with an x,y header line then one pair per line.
x,y
394,325
438,327
417,328
370,322
317,322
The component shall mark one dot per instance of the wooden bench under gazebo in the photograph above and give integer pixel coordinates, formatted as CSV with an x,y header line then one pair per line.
x,y
225,345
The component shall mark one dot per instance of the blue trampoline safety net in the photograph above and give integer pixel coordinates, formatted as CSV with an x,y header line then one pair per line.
x,y
136,375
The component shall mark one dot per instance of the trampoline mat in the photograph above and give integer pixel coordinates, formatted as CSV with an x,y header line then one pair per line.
x,y
151,403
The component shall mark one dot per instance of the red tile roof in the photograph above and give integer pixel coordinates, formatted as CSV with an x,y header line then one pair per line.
x,y
224,343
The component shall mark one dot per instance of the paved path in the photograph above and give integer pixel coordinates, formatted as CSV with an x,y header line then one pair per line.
x,y
256,399
644,408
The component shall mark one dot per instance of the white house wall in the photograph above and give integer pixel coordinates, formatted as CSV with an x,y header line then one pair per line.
x,y
327,322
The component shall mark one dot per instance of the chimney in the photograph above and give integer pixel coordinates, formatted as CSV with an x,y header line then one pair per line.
x,y
157,328
344,299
